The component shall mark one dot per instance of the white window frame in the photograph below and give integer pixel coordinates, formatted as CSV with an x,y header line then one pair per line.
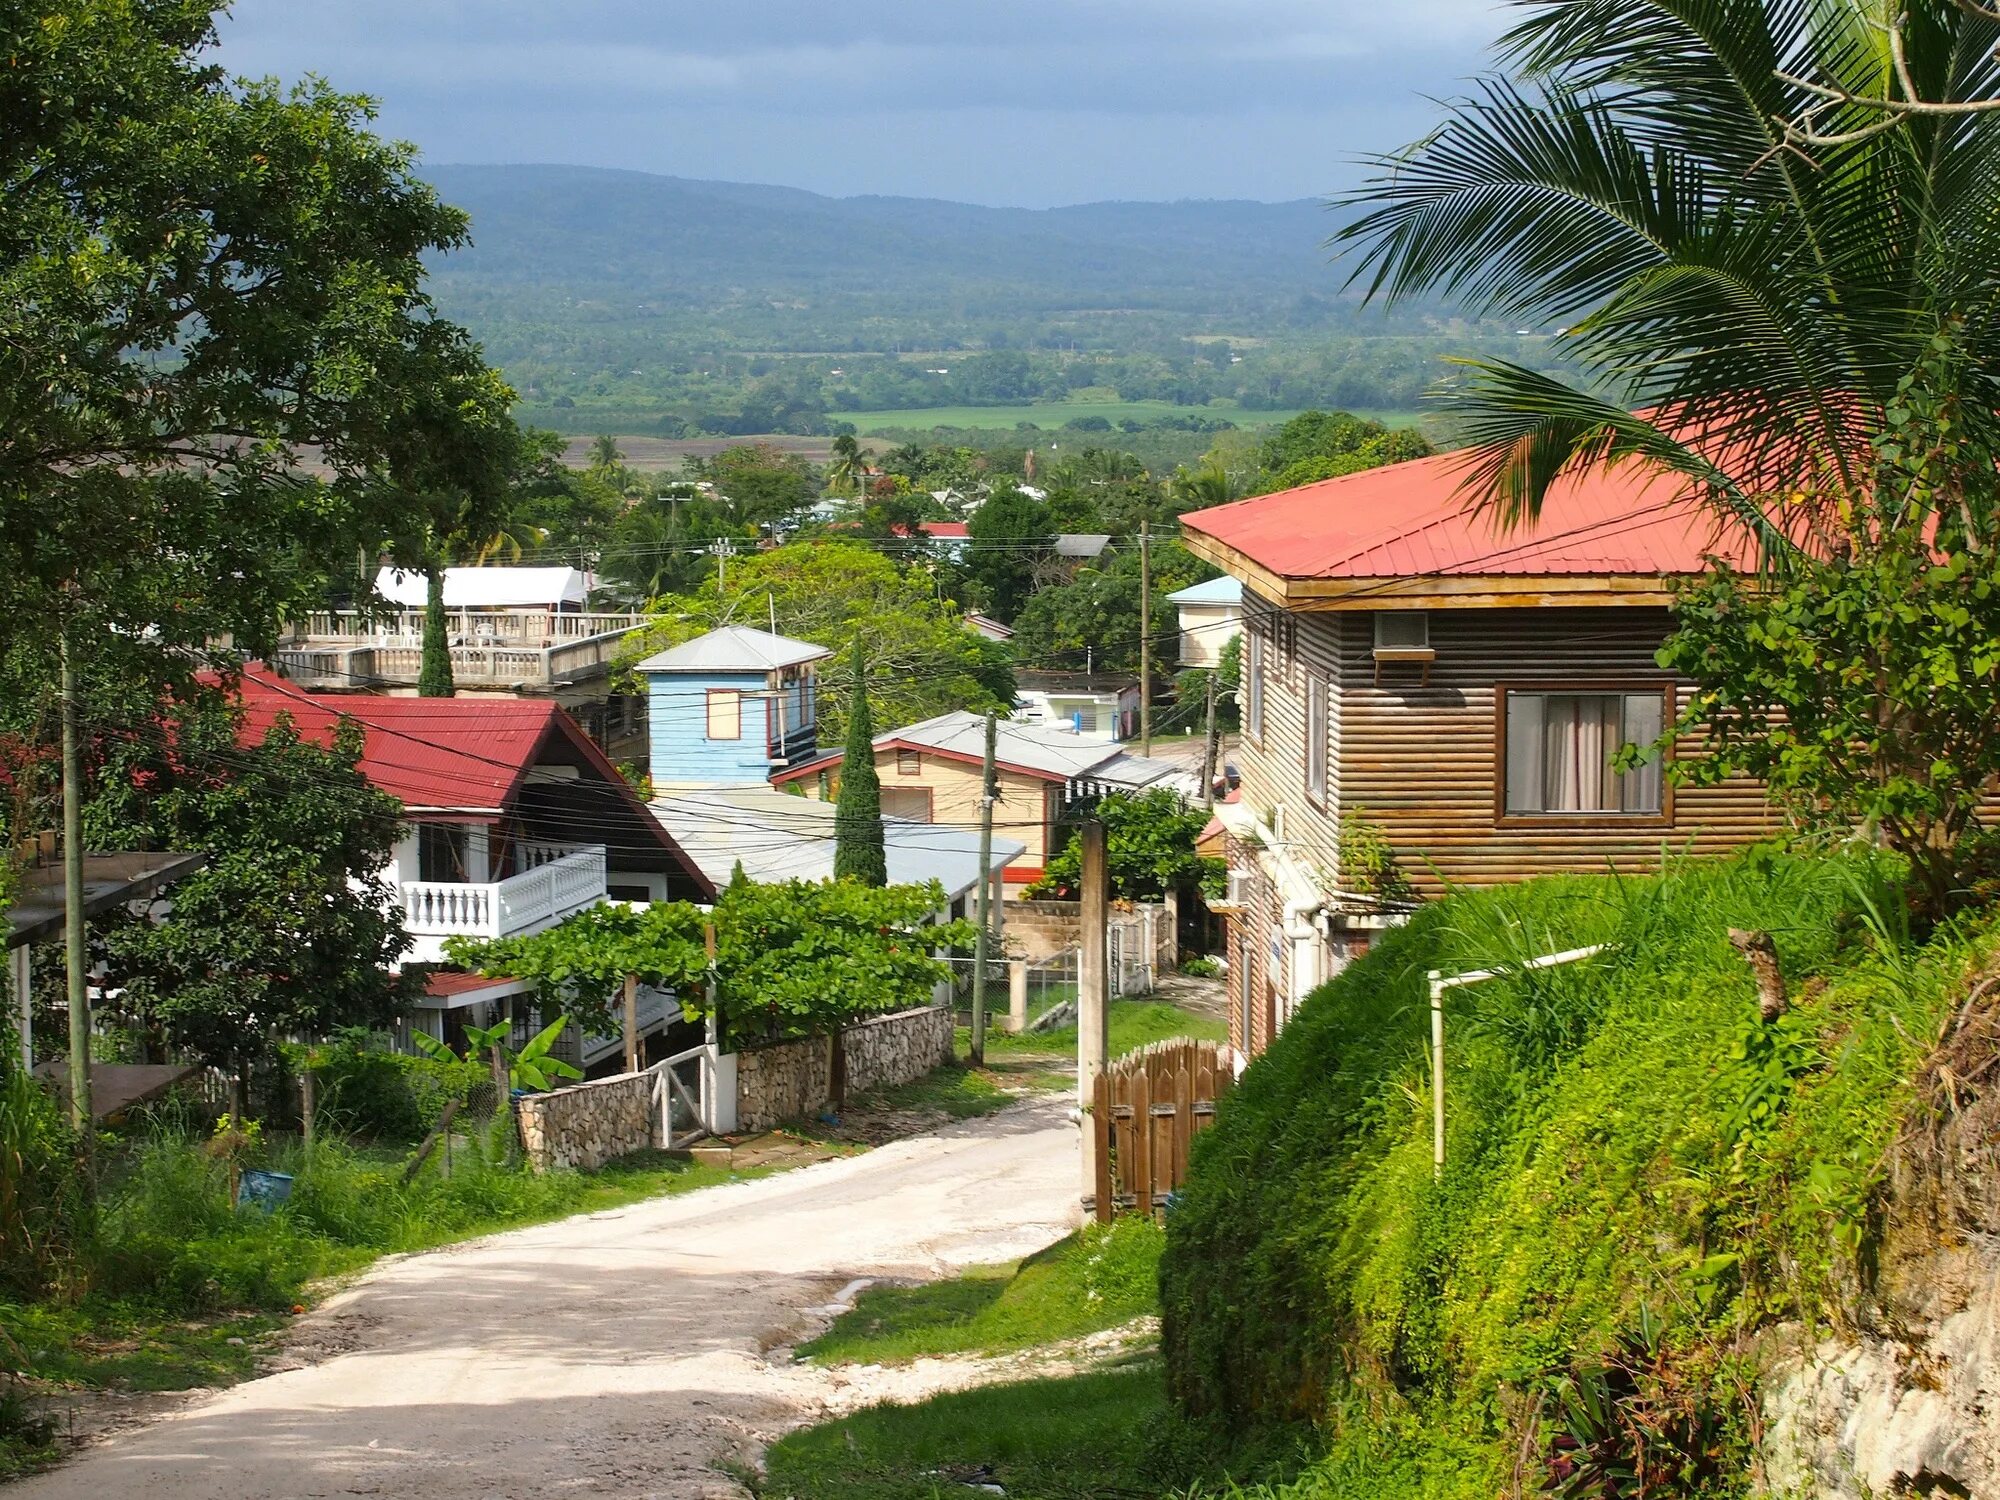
x,y
1318,716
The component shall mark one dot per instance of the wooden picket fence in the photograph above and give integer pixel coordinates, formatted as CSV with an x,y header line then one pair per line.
x,y
1147,1109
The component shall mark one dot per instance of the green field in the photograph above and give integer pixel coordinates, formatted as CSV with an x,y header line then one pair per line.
x,y
1051,415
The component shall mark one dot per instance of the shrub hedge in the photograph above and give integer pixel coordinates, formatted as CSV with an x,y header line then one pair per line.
x,y
1623,1134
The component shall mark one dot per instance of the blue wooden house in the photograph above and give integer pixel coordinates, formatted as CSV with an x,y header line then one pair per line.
x,y
732,707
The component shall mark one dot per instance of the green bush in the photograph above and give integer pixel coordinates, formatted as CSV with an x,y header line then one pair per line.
x,y
367,1090
45,1201
1623,1134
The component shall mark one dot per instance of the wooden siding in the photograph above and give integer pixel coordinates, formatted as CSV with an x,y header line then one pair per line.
x,y
1274,768
1421,759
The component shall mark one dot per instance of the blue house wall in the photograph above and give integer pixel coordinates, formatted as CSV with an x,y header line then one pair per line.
x,y
677,706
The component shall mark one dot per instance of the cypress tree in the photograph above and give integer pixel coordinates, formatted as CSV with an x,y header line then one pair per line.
x,y
857,819
434,672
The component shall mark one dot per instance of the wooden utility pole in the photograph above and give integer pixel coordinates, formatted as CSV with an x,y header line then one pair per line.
x,y
631,1023
981,943
1209,747
1093,993
73,943
1145,643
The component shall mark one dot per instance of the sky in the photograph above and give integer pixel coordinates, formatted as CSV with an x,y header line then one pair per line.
x,y
1022,102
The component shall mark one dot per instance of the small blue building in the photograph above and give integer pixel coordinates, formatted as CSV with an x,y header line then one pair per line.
x,y
731,707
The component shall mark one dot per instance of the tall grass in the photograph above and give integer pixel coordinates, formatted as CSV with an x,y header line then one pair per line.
x,y
45,1205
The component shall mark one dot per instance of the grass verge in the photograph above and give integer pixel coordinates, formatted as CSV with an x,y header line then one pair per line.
x,y
1096,1279
1132,1024
1082,1436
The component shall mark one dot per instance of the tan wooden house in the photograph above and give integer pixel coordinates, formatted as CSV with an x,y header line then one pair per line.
x,y
930,773
1460,689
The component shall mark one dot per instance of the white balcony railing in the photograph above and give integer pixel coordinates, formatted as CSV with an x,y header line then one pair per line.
x,y
522,627
346,649
560,881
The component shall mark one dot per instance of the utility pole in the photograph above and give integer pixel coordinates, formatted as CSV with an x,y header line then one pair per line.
x,y
1209,747
985,904
1093,989
721,549
72,811
1145,643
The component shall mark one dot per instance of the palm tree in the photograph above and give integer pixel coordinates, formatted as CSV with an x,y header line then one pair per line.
x,y
843,470
604,452
1641,187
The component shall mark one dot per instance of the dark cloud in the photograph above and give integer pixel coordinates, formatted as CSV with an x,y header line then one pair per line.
x,y
1032,101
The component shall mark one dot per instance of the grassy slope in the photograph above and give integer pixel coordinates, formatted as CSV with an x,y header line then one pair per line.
x,y
1614,1140
1051,415
1096,1279
1132,1024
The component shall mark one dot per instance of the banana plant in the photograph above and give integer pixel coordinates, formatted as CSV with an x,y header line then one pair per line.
x,y
533,1068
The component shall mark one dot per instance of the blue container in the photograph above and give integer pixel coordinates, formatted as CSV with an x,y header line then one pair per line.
x,y
263,1191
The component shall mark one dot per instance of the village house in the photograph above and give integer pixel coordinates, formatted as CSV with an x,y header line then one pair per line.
x,y
512,632
514,820
1100,706
1211,616
1449,692
734,711
930,773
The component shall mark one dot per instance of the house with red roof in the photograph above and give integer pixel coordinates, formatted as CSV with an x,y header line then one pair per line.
x,y
1452,690
514,820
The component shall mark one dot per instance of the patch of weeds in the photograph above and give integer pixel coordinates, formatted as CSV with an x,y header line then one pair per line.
x,y
1100,1278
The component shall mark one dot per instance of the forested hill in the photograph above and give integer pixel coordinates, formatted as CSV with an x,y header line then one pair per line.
x,y
668,244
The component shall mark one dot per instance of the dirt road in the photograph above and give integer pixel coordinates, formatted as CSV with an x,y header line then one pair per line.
x,y
622,1354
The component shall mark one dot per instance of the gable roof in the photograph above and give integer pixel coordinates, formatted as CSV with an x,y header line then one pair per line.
x,y
1054,755
1402,532
734,648
463,757
487,588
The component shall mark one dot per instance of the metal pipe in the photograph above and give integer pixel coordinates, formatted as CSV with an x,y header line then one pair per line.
x,y
1440,982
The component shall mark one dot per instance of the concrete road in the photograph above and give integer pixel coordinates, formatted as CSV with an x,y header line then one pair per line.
x,y
619,1354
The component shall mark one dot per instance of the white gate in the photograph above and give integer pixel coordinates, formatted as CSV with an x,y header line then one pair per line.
x,y
694,1094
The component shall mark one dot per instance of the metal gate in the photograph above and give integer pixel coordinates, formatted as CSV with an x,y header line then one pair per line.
x,y
682,1089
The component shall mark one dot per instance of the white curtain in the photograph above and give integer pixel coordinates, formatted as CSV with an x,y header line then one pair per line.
x,y
1560,748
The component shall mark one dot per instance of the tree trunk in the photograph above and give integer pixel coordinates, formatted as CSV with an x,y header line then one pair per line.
x,y
1762,955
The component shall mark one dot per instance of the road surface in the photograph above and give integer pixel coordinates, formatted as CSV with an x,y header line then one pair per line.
x,y
619,1354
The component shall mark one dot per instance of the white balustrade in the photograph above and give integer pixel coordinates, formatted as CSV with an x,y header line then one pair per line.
x,y
563,880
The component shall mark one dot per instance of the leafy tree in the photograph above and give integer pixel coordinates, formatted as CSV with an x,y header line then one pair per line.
x,y
921,659
1007,534
287,928
798,958
1093,620
657,545
1863,685
232,271
762,485
1148,847
1191,689
858,852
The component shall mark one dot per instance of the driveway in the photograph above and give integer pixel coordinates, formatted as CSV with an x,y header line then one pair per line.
x,y
620,1354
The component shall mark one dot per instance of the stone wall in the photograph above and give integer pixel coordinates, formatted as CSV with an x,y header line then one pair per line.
x,y
583,1127
790,1080
1041,929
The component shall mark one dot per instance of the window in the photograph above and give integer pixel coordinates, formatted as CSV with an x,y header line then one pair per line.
x,y
441,851
1253,684
1559,747
1316,738
725,714
910,803
909,763
1402,630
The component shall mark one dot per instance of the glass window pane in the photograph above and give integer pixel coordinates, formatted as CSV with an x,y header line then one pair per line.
x,y
1644,715
1524,753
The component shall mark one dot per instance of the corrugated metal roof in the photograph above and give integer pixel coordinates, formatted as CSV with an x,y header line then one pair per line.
x,y
734,648
487,588
776,836
1410,520
1059,754
1223,590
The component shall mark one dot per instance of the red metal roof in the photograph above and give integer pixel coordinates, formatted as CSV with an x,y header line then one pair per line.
x,y
946,530
433,754
1411,520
